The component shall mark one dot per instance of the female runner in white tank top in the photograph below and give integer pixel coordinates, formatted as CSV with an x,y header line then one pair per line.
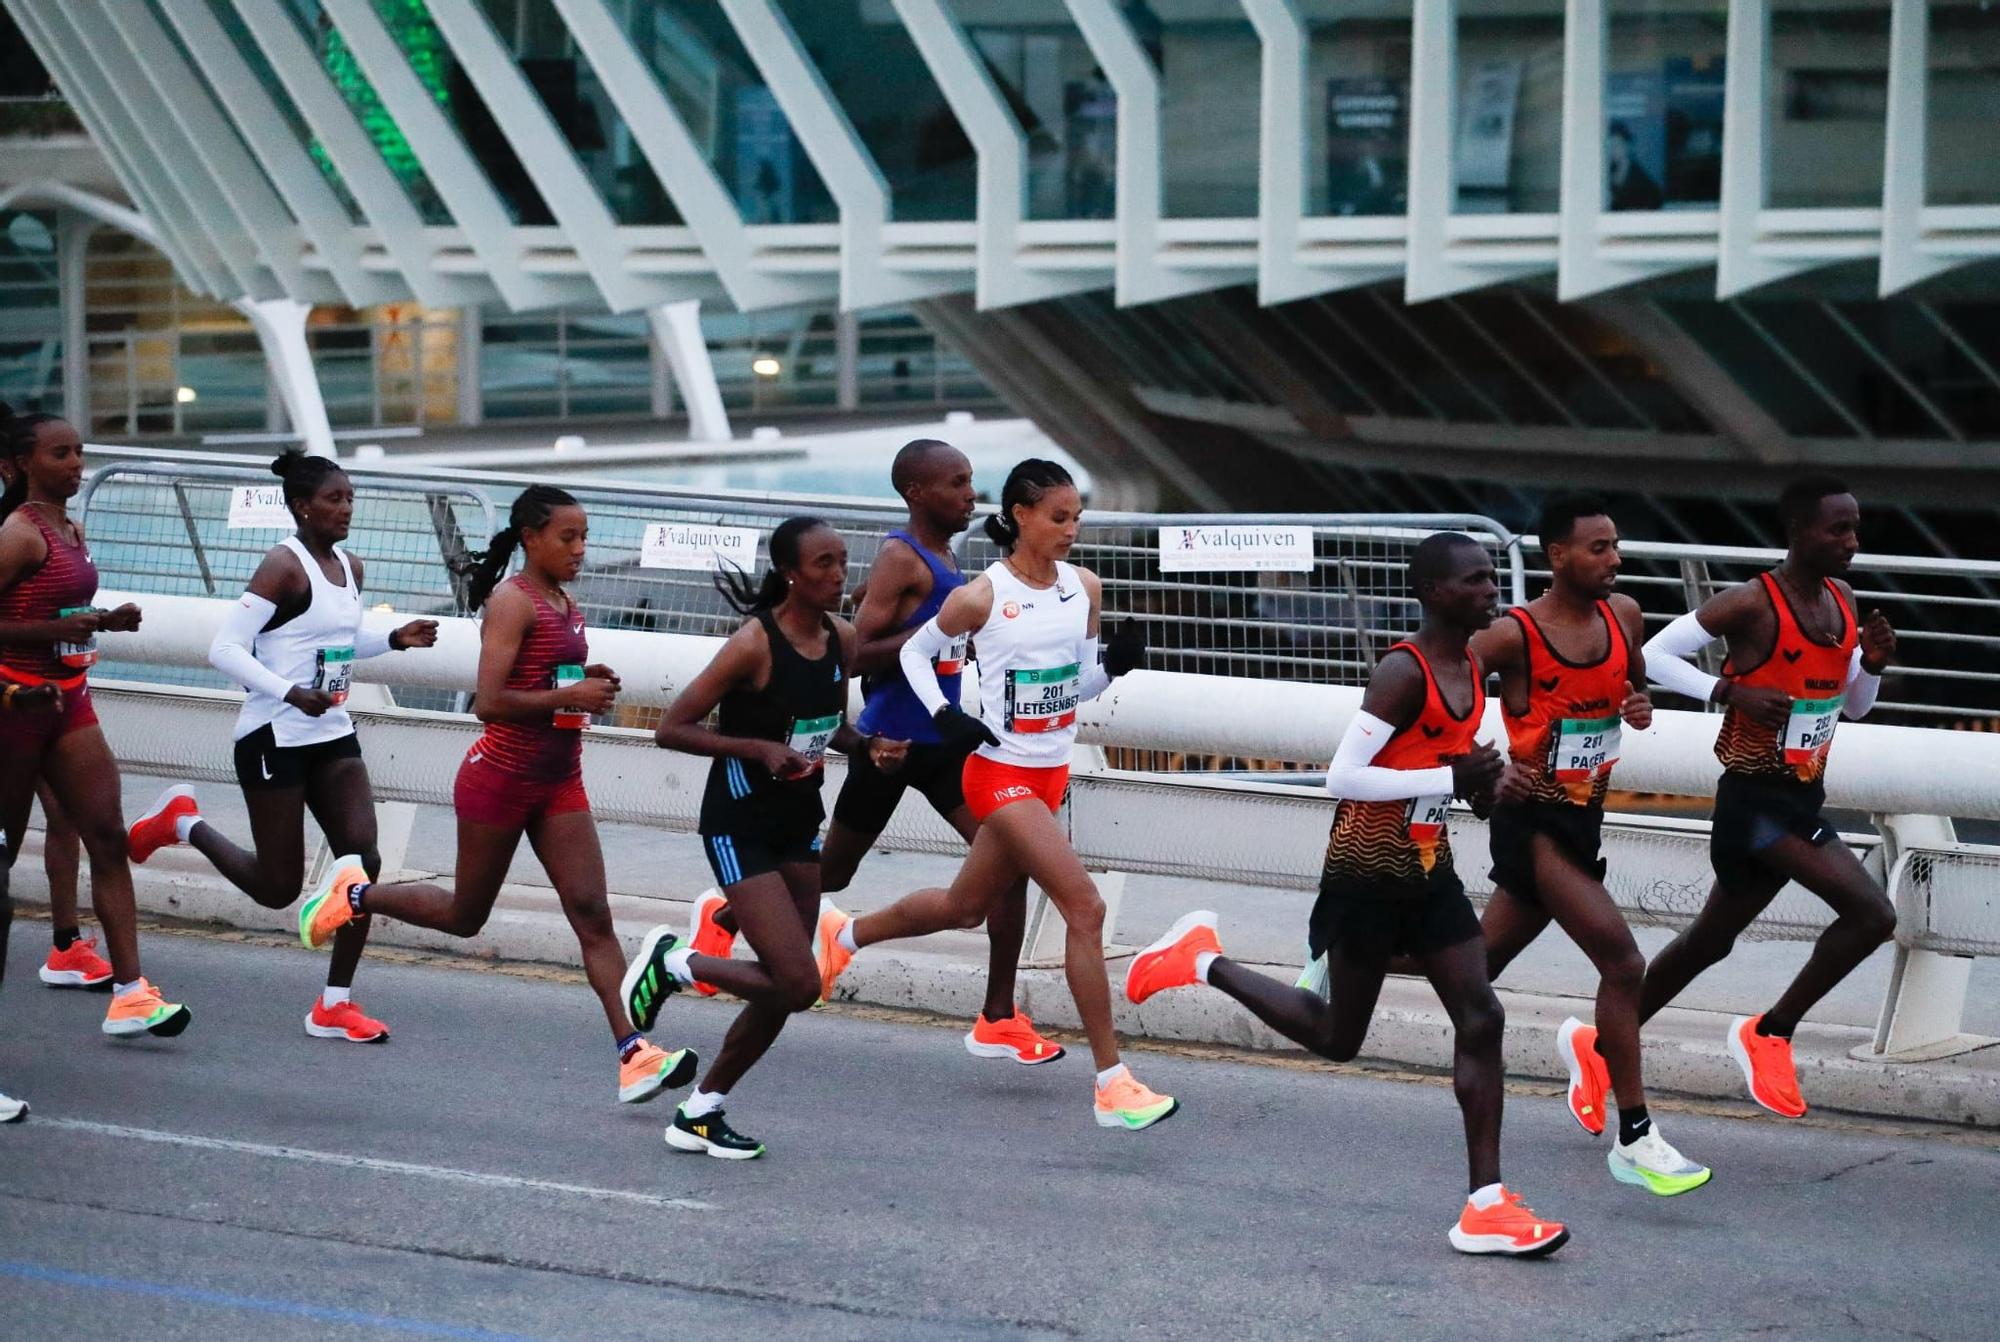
x,y
1033,619
291,641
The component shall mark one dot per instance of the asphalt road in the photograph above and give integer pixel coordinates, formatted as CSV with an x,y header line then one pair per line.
x,y
474,1179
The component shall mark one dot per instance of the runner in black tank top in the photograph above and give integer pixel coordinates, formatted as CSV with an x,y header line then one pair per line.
x,y
780,683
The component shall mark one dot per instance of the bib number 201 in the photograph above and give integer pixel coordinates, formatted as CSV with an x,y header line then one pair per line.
x,y
1042,701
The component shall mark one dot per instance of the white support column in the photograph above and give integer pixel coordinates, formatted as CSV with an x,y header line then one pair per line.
x,y
1433,189
471,358
844,163
73,230
684,171
299,181
847,360
1746,150
1005,276
458,177
677,326
1906,147
1923,1012
281,331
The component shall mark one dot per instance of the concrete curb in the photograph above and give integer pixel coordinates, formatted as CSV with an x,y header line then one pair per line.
x,y
1685,1049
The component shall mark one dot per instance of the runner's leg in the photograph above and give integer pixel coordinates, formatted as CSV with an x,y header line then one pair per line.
x,y
1334,1026
343,806
1863,919
1582,907
62,862
568,847
84,777
776,912
1478,1024
273,871
485,852
1510,925
1706,941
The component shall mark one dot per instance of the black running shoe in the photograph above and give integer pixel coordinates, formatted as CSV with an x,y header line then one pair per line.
x,y
711,1133
647,984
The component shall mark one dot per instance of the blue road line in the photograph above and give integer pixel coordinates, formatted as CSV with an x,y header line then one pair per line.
x,y
294,1309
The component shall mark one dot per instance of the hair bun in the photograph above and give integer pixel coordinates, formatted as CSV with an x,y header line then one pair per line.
x,y
288,461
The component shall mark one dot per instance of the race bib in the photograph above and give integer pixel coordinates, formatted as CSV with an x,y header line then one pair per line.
x,y
569,718
333,672
1042,701
951,661
1426,821
1584,749
77,656
811,736
1809,730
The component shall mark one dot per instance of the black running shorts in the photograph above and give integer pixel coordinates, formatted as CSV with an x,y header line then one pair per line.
x,y
1577,830
735,858
869,796
1372,922
264,765
1753,813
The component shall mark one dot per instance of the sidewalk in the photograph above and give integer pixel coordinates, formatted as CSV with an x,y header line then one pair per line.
x,y
655,875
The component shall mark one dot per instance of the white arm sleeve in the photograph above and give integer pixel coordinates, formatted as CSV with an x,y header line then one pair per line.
x,y
230,652
1094,679
916,656
1666,653
1862,687
1353,775
368,644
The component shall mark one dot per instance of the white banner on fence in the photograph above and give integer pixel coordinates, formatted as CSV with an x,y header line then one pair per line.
x,y
1282,549
260,506
694,545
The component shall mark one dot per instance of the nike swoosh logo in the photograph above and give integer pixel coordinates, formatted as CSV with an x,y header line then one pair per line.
x,y
265,766
1064,596
474,757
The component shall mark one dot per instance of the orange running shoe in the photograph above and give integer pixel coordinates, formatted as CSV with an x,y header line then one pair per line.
x,y
1589,1077
1169,962
344,1021
1766,1061
1508,1227
1010,1037
329,909
141,1011
652,1069
708,937
78,967
832,956
159,827
1127,1104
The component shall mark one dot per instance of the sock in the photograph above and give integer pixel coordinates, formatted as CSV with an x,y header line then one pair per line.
x,y
676,961
1489,1196
702,1102
846,937
184,826
1633,1124
354,894
1201,964
630,1045
66,937
120,989
1110,1074
1764,1028
331,996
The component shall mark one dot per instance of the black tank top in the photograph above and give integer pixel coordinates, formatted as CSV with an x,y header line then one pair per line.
x,y
803,705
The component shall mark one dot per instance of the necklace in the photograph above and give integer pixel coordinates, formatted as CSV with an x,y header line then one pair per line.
x,y
1014,569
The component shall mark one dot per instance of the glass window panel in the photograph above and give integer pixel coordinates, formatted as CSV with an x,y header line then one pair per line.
x,y
1064,105
1625,365
1759,368
869,62
1543,357
1507,136
1964,95
707,75
253,56
574,97
1357,107
1211,72
1496,385
1663,105
1927,355
1342,331
30,312
1828,102
1844,368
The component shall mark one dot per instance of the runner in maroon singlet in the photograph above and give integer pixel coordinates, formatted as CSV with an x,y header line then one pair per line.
x,y
537,691
48,640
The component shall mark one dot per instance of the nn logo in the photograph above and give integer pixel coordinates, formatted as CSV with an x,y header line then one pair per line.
x,y
1012,610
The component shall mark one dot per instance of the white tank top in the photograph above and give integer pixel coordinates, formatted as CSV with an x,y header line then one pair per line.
x,y
1029,676
315,649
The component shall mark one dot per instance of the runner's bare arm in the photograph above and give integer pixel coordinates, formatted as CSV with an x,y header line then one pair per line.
x,y
896,585
1501,648
744,662
22,551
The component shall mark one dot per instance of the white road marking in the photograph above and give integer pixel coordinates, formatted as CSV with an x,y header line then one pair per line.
x,y
343,1160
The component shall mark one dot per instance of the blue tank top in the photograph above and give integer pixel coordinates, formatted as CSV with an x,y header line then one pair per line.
x,y
892,707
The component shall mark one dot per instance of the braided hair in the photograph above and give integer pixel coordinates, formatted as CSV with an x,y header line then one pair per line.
x,y
533,508
1026,484
17,440
749,598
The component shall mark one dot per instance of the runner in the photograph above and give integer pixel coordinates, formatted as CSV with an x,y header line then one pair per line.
x,y
15,699
1798,663
48,637
1567,666
780,683
291,642
1389,885
1035,620
524,775
914,572
73,960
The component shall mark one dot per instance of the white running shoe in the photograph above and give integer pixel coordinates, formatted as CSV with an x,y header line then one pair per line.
x,y
12,1110
1655,1166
